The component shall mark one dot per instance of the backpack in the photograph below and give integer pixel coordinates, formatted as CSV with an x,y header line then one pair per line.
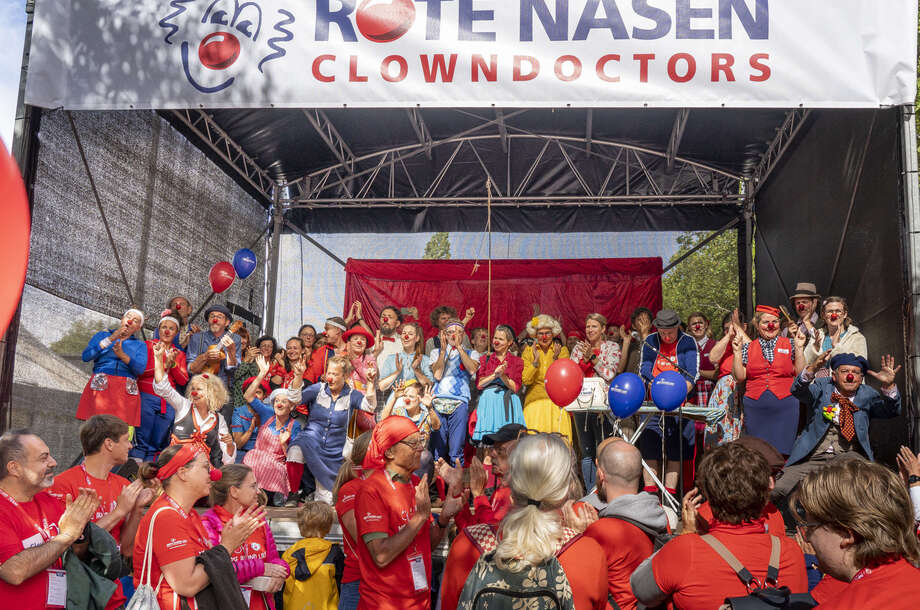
x,y
541,587
765,595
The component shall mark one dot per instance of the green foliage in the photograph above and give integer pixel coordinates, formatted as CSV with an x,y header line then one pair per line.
x,y
77,336
705,281
438,247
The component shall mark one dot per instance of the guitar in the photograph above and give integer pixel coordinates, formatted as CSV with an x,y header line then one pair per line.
x,y
213,366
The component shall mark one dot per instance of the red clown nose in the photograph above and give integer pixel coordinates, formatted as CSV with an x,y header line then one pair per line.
x,y
801,307
194,394
329,379
771,326
834,316
215,474
851,378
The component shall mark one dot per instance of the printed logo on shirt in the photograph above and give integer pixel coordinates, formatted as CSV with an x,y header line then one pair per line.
x,y
348,498
174,543
370,518
256,546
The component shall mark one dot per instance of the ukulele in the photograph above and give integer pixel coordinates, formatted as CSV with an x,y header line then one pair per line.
x,y
213,366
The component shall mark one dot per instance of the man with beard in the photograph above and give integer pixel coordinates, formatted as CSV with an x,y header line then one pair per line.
x,y
628,521
386,341
182,309
215,345
37,528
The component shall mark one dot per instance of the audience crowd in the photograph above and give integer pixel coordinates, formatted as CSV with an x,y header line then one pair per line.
x,y
456,481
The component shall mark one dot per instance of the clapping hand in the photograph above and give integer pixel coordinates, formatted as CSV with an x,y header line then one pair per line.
x,y
263,365
117,348
284,436
800,337
690,511
427,397
887,372
908,463
422,498
501,368
378,344
78,512
452,476
478,477
241,526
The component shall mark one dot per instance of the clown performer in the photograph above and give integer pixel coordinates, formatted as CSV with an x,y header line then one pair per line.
x,y
411,399
118,359
268,458
321,445
540,413
452,366
157,415
357,341
840,408
198,419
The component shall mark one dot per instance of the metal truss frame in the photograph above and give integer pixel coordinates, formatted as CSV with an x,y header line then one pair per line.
x,y
323,187
203,125
785,134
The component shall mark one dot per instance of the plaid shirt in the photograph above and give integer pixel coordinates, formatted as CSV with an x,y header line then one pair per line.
x,y
766,347
701,390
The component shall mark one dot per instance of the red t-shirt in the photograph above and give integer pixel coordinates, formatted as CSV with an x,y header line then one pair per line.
x,y
773,518
346,502
26,525
827,588
726,362
892,586
667,358
385,506
69,483
582,561
71,480
626,546
176,535
696,577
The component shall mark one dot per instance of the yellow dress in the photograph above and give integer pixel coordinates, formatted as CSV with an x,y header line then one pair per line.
x,y
540,413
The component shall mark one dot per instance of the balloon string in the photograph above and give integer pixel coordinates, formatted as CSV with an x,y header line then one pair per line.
x,y
489,233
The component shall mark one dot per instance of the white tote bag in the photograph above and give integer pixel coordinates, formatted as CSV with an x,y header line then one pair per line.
x,y
145,596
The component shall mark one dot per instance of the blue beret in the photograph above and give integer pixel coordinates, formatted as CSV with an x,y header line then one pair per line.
x,y
849,359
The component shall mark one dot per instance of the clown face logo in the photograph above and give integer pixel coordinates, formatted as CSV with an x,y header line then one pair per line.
x,y
385,20
230,36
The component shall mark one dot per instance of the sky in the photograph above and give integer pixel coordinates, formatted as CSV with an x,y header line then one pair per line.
x,y
12,32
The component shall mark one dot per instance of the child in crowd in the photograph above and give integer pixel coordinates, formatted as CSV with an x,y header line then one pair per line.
x,y
316,564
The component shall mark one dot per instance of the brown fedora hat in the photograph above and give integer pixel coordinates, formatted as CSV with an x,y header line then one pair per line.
x,y
805,290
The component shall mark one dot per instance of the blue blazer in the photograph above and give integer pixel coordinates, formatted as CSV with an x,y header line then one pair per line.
x,y
688,356
870,402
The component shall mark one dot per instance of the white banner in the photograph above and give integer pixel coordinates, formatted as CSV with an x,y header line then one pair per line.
x,y
118,54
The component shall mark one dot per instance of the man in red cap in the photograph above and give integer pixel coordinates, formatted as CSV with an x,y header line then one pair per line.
x,y
396,530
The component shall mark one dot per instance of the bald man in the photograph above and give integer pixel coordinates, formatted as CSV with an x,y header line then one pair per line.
x,y
629,520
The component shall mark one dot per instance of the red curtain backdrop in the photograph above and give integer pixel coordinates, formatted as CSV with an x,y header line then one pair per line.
x,y
565,289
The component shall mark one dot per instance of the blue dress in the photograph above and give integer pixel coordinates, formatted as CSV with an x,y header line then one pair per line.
x,y
498,405
323,438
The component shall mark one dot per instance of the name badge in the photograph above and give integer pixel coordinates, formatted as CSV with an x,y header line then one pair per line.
x,y
417,566
247,594
57,589
782,350
32,541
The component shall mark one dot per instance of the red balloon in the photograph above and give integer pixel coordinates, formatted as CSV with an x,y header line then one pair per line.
x,y
221,276
563,381
14,237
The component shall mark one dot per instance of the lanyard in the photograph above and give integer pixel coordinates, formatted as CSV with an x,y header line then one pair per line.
x,y
89,482
196,523
862,574
41,530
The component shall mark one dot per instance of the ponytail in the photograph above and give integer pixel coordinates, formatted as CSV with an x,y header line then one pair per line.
x,y
149,470
350,468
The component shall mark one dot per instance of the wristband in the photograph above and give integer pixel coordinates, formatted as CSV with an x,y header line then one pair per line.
x,y
913,479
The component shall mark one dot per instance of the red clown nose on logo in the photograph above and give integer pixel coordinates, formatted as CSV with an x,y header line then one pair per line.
x,y
219,50
385,21
851,378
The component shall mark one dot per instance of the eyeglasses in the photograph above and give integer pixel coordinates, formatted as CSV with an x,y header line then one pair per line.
x,y
546,333
418,444
802,523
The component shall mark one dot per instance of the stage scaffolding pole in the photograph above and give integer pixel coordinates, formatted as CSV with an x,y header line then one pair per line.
x,y
272,277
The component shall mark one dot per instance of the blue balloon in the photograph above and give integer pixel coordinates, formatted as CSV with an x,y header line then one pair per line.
x,y
669,390
626,394
244,262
